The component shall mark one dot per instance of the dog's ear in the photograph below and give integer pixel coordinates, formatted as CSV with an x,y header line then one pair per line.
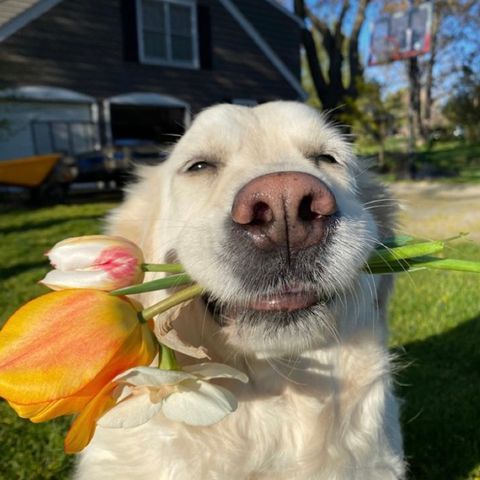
x,y
133,217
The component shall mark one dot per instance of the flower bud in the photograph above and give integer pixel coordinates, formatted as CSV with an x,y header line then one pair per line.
x,y
96,261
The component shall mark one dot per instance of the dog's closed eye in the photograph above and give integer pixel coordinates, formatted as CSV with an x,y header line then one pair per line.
x,y
197,166
320,158
201,165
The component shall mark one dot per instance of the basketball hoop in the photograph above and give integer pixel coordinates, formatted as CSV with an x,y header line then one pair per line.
x,y
403,33
384,50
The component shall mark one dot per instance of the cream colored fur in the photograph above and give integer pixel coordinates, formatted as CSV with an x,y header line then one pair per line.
x,y
316,408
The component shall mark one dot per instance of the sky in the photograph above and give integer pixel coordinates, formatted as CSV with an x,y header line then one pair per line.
x,y
393,76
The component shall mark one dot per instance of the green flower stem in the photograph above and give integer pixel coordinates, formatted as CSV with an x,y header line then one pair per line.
x,y
385,256
163,267
447,264
423,263
167,359
158,284
169,302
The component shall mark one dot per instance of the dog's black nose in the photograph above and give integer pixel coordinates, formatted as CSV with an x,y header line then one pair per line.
x,y
284,209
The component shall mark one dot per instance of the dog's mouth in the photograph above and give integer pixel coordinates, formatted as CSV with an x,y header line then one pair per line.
x,y
288,301
285,301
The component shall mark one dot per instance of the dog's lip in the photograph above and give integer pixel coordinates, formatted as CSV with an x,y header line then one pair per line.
x,y
286,301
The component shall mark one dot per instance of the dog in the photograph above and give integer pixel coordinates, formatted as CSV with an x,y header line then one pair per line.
x,y
269,210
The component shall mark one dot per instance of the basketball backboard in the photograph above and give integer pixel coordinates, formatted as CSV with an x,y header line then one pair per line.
x,y
400,34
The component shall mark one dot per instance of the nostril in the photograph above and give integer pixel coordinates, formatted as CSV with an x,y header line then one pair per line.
x,y
262,214
305,212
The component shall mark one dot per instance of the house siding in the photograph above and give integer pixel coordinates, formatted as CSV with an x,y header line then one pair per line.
x,y
79,45
281,32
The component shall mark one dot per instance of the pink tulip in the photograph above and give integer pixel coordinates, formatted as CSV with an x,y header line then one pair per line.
x,y
97,261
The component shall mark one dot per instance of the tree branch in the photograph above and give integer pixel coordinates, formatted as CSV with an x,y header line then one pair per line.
x,y
311,53
341,18
355,67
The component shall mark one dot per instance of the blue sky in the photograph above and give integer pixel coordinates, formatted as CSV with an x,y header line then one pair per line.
x,y
393,76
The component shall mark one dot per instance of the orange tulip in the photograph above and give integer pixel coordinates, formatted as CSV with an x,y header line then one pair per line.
x,y
59,352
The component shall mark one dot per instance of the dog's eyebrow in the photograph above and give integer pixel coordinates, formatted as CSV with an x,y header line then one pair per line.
x,y
310,151
205,157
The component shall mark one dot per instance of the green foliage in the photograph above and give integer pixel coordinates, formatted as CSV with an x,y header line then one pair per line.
x,y
452,161
463,107
372,117
368,114
435,331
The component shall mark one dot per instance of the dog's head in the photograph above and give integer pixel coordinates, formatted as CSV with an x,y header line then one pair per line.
x,y
268,209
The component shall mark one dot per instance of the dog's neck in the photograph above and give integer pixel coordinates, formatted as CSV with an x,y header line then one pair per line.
x,y
268,373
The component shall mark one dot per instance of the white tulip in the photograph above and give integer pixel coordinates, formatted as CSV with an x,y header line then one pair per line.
x,y
96,261
184,396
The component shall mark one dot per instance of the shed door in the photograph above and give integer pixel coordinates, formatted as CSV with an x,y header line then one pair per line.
x,y
144,122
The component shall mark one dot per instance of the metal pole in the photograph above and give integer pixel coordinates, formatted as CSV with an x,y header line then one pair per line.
x,y
411,104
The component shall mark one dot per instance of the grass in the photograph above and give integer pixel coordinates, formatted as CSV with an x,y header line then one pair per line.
x,y
435,326
29,451
447,161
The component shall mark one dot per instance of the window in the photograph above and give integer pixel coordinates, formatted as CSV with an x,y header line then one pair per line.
x,y
67,137
167,32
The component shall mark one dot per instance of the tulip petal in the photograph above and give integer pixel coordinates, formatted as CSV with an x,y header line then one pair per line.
x,y
60,280
211,370
96,261
41,412
55,345
82,252
139,348
135,410
152,377
83,427
199,403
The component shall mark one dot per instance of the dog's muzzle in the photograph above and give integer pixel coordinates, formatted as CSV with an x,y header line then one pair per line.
x,y
284,210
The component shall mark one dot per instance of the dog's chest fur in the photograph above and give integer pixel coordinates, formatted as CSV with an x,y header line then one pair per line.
x,y
310,420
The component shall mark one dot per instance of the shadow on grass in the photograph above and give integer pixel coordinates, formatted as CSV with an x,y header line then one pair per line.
x,y
441,415
8,272
46,223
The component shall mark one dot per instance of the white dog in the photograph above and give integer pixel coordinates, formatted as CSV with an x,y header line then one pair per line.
x,y
269,211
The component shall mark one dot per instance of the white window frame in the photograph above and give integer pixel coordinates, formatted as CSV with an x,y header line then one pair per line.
x,y
195,63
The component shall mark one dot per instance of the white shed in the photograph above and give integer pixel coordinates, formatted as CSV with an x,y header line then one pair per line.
x,y
36,120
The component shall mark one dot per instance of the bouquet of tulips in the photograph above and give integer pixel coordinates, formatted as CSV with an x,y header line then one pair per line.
x,y
88,349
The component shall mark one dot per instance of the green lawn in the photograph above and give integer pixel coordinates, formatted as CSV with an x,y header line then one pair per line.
x,y
435,324
35,451
452,161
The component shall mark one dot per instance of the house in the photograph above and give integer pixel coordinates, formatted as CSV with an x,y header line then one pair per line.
x,y
78,74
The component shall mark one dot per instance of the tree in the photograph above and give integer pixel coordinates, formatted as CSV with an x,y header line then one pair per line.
x,y
373,117
333,85
455,25
463,108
